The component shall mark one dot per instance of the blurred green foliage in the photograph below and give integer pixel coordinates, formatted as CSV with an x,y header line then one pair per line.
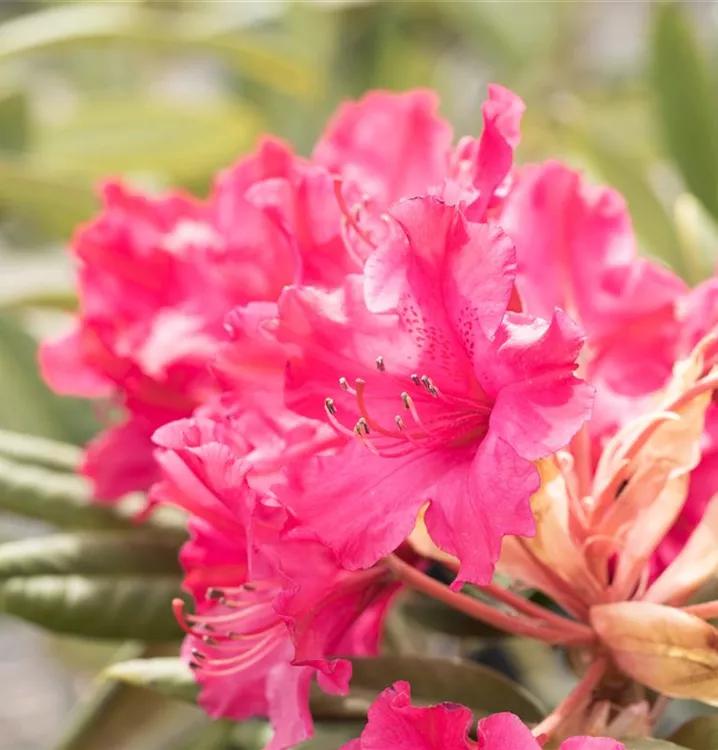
x,y
165,92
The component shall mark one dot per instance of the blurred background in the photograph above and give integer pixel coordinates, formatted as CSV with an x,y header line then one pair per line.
x,y
165,92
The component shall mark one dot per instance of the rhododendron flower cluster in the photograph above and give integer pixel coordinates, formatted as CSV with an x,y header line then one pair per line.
x,y
402,350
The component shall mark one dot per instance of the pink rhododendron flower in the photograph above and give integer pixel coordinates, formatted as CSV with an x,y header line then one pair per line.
x,y
443,397
576,250
394,722
273,609
157,277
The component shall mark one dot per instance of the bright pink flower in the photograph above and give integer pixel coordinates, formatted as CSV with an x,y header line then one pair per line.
x,y
576,250
394,722
157,277
273,609
392,145
436,411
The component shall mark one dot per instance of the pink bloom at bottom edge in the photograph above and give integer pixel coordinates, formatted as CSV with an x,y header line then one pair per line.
x,y
394,722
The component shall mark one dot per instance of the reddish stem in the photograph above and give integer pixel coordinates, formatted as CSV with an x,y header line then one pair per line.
x,y
581,450
706,610
578,698
515,624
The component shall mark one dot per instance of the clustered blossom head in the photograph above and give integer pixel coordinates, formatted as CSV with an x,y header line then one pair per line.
x,y
394,350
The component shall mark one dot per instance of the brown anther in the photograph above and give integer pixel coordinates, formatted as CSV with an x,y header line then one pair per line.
x,y
193,666
429,386
362,426
399,422
343,384
213,593
329,406
406,400
415,379
197,654
209,641
380,364
249,587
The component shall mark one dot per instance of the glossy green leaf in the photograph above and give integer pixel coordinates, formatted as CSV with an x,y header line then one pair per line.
x,y
700,733
168,676
185,143
90,554
432,680
105,606
686,101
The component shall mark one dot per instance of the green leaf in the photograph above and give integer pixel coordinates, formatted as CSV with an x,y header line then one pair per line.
x,y
435,616
685,96
432,680
14,122
186,143
116,716
38,451
66,500
651,744
168,676
72,25
700,733
56,203
27,404
109,606
90,554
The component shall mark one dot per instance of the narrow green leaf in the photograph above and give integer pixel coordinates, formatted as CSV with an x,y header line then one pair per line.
x,y
432,680
168,676
110,606
437,617
72,25
65,500
38,451
685,96
90,554
109,136
700,733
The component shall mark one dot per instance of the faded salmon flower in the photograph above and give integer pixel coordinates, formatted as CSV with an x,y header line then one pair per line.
x,y
272,608
394,722
596,534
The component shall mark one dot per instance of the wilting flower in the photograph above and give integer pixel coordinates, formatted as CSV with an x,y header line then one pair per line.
x,y
443,397
273,609
158,276
393,721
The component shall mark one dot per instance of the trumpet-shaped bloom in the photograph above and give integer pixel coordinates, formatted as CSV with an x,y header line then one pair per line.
x,y
273,609
443,397
394,722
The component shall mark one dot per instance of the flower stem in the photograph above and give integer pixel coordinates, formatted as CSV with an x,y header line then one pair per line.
x,y
579,696
515,624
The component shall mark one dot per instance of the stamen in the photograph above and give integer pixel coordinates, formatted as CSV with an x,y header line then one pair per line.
x,y
361,427
330,407
343,384
350,218
415,379
430,387
380,364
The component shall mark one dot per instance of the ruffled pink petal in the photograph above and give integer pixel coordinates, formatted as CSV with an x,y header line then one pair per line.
x,y
64,369
394,145
504,731
288,706
120,461
476,504
591,743
394,722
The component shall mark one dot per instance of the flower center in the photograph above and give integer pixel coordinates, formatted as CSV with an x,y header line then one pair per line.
x,y
428,418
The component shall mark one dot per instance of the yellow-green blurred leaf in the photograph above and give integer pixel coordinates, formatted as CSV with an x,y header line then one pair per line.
x,y
700,733
73,25
187,144
698,236
685,96
14,122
